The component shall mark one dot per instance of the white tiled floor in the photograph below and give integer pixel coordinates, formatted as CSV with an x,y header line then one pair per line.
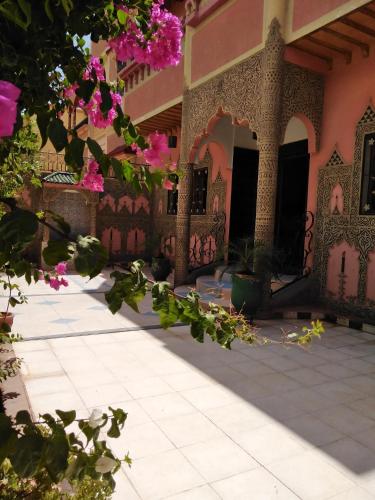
x,y
204,424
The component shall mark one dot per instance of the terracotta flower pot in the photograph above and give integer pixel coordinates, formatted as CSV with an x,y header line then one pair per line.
x,y
6,318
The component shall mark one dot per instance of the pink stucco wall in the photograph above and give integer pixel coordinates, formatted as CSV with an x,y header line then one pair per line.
x,y
306,11
351,270
155,92
348,91
236,30
370,277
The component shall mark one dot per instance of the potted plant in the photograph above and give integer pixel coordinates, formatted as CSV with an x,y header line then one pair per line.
x,y
15,297
160,264
252,263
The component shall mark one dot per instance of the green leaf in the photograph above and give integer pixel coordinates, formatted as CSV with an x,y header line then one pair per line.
x,y
27,455
122,16
132,131
128,170
58,134
85,89
11,11
17,229
91,256
68,6
8,437
197,331
67,417
106,103
117,168
114,431
128,287
56,453
58,251
48,10
74,153
60,221
23,417
26,9
95,149
42,119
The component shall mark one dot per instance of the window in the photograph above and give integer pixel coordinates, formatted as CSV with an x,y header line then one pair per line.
x,y
368,176
200,177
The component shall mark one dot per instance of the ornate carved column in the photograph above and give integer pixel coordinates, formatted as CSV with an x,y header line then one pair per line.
x,y
269,134
185,191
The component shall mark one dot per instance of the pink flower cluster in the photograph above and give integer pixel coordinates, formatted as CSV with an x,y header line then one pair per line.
x,y
57,281
94,67
93,109
158,145
161,50
92,180
70,92
9,95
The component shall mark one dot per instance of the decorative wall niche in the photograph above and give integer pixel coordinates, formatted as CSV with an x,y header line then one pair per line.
x,y
343,271
336,203
111,239
135,241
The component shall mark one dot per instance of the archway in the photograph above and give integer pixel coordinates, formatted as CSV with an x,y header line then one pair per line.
x,y
292,192
233,144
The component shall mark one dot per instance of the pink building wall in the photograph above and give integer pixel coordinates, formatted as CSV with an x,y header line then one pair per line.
x,y
158,90
306,11
348,91
220,41
351,273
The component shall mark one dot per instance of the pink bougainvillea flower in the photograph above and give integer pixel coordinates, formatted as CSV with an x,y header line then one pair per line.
x,y
63,282
168,184
173,166
61,268
92,180
162,49
9,95
158,146
56,283
137,150
70,92
93,109
94,67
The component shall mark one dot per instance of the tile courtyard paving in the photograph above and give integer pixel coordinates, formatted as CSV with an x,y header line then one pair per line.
x,y
204,423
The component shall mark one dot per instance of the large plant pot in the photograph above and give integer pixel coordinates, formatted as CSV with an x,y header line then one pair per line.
x,y
6,318
160,268
246,293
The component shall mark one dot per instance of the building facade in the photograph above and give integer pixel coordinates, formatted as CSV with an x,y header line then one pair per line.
x,y
272,120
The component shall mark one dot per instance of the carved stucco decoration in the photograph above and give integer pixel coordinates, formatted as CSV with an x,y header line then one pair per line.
x,y
303,93
238,92
365,126
262,91
125,218
357,230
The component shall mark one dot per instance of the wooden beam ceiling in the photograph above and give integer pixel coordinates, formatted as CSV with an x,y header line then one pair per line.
x,y
365,47
341,37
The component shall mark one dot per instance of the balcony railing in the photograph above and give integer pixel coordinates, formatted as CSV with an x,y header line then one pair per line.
x,y
55,162
52,162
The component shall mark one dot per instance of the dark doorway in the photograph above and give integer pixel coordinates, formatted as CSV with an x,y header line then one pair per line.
x,y
244,194
291,206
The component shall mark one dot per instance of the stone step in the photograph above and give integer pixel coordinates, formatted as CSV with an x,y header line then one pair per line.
x,y
209,285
